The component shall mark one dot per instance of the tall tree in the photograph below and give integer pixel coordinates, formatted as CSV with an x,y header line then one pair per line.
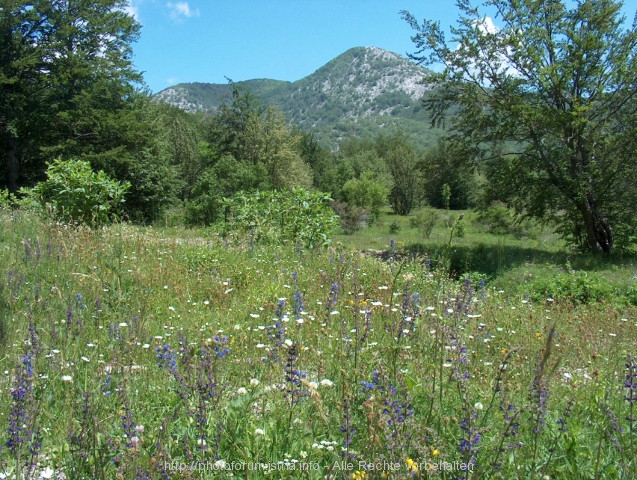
x,y
63,65
400,156
559,86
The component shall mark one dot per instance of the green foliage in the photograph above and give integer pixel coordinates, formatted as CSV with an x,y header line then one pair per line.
x,y
444,164
223,180
351,218
366,193
394,227
424,220
399,155
555,84
72,193
349,109
575,286
5,199
445,194
66,70
295,216
500,220
259,135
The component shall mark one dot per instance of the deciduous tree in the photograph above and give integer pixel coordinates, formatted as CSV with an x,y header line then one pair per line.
x,y
557,81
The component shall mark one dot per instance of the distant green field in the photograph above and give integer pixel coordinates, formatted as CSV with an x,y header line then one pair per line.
x,y
535,261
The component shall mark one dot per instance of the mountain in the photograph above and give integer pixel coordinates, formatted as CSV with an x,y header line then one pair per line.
x,y
364,92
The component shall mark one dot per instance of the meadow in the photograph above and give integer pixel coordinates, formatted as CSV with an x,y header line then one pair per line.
x,y
139,352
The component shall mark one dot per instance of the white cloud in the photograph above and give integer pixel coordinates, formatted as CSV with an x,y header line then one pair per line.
x,y
499,60
132,9
181,10
486,25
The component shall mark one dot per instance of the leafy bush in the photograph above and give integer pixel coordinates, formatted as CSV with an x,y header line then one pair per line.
x,y
73,192
351,218
577,286
425,220
296,216
366,193
500,220
5,199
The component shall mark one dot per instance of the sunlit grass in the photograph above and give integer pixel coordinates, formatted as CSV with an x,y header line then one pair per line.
x,y
140,353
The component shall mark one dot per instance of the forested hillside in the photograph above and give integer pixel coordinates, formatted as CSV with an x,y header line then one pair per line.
x,y
363,93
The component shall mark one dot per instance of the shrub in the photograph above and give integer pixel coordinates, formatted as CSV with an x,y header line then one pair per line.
x,y
500,220
351,218
296,216
425,221
366,193
73,192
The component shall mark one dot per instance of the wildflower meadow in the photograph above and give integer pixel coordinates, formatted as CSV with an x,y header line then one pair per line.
x,y
133,352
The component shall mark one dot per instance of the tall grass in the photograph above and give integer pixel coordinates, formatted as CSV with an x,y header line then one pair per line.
x,y
130,353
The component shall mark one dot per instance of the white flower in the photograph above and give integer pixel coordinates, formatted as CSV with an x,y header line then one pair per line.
x,y
220,465
254,382
478,406
67,378
259,431
85,359
47,473
172,309
327,383
289,342
123,324
242,391
313,385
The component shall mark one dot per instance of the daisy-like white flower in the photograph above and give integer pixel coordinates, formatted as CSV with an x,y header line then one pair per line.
x,y
259,431
67,378
242,391
254,382
326,382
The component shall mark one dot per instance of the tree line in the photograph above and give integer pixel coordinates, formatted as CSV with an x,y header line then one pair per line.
x,y
540,115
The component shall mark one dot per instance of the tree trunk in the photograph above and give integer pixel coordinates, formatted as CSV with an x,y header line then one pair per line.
x,y
599,233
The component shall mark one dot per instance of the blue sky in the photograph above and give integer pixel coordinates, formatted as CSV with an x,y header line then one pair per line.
x,y
209,40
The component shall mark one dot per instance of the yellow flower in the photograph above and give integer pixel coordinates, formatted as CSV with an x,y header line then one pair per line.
x,y
411,465
504,351
538,335
435,453
358,475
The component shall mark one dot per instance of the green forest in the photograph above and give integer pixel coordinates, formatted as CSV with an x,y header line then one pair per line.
x,y
550,136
